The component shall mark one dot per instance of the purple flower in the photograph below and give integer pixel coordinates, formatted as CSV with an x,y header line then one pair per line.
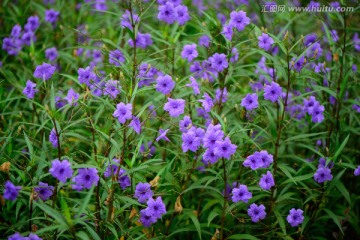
x,y
30,90
241,193
299,63
210,157
204,41
357,171
32,24
167,13
212,136
33,236
44,71
265,41
207,103
182,14
142,40
16,236
322,175
16,31
126,21
238,20
310,39
227,32
51,54
189,52
116,57
28,37
194,85
264,158
256,212
190,141
44,191
147,218
11,191
85,75
272,92
86,178
53,138
164,84
295,217
51,16
250,102
218,62
252,162
223,94
162,135
156,207
72,97
185,124
314,51
175,107
135,124
61,170
224,148
234,55
267,181
123,112
322,163
12,45
317,113
112,88
143,192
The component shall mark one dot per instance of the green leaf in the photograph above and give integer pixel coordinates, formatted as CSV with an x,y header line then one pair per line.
x,y
280,221
65,208
195,221
243,236
334,218
339,150
211,216
52,213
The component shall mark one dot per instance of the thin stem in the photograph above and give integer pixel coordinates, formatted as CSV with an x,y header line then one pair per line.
x,y
225,200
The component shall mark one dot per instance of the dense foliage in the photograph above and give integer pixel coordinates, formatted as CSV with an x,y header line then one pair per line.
x,y
179,119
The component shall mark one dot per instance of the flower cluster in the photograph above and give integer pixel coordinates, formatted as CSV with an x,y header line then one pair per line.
x,y
154,211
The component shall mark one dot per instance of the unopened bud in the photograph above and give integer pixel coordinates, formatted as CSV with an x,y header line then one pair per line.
x,y
155,181
5,167
178,206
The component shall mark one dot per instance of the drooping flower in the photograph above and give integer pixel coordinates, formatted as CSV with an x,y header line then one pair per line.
x,y
234,55
143,40
87,177
123,112
162,135
227,32
29,90
194,85
189,52
256,212
295,217
164,84
221,94
53,138
265,41
175,107
61,170
135,124
299,63
44,71
51,54
156,207
241,193
267,181
272,92
128,18
238,20
72,97
250,101
224,148
44,191
112,88
11,191
322,175
143,192
28,37
116,57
